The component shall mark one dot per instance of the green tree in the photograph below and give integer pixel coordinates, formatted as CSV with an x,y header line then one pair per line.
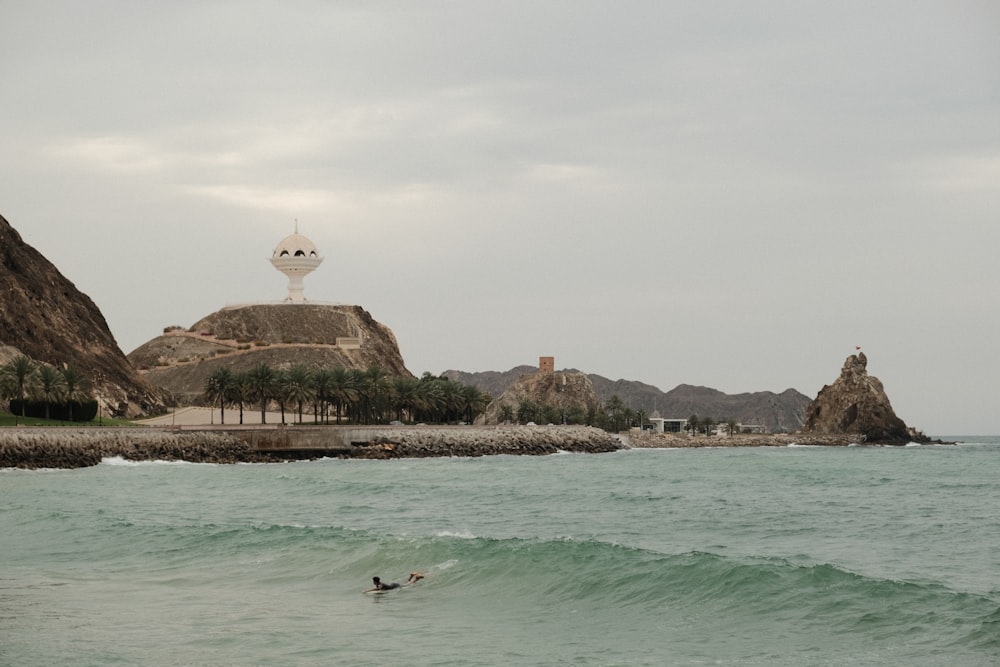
x,y
692,424
615,409
474,402
343,389
297,387
50,386
74,388
375,394
263,381
219,389
528,411
408,397
506,414
322,392
432,399
241,391
21,373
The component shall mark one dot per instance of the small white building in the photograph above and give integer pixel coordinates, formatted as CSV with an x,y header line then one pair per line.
x,y
663,425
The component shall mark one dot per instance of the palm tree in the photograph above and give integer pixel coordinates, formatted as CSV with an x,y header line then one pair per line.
x,y
297,386
375,392
473,402
432,398
75,388
21,372
262,381
344,388
322,391
407,393
278,392
240,391
453,402
615,409
50,386
219,388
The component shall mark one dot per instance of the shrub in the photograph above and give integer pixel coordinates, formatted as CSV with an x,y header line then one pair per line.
x,y
84,411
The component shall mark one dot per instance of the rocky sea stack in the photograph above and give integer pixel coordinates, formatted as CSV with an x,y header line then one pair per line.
x,y
856,403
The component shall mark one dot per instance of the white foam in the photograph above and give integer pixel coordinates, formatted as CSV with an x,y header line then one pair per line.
x,y
465,535
120,461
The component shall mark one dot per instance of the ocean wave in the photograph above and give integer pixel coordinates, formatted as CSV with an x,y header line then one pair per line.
x,y
121,461
635,580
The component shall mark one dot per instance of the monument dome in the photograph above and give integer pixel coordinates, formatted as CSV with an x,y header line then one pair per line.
x,y
296,256
296,245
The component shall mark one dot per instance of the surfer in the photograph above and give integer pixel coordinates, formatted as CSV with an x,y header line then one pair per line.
x,y
381,586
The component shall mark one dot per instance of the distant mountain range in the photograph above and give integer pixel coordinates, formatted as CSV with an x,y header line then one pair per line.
x,y
778,413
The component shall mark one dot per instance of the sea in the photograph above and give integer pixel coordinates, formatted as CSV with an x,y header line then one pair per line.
x,y
716,556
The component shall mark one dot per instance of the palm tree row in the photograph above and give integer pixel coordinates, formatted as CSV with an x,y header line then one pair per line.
x,y
368,396
613,416
22,379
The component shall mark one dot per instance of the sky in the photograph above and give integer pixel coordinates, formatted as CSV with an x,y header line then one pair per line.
x,y
727,194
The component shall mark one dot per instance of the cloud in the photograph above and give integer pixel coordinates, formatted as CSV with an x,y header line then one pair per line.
x,y
117,153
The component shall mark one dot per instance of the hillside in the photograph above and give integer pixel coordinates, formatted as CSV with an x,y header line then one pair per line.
x,y
564,391
44,316
279,335
778,413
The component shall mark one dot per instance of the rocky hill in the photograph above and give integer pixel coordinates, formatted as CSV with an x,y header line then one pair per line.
x,y
279,335
778,413
44,316
857,403
567,390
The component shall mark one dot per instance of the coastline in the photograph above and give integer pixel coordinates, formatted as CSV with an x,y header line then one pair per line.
x,y
69,447
672,440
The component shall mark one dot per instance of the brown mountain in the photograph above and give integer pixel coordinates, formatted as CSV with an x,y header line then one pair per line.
x,y
778,413
44,316
279,335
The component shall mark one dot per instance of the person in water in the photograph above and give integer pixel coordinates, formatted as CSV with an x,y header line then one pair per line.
x,y
382,586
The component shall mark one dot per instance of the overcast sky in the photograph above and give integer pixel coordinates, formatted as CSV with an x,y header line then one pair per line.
x,y
728,194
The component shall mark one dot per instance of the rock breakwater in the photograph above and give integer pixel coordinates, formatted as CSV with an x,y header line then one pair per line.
x,y
76,448
419,442
665,440
79,448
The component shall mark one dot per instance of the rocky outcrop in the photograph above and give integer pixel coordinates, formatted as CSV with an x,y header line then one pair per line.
x,y
857,403
44,316
776,412
565,391
279,335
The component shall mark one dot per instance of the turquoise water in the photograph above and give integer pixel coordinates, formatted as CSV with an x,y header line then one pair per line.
x,y
791,556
